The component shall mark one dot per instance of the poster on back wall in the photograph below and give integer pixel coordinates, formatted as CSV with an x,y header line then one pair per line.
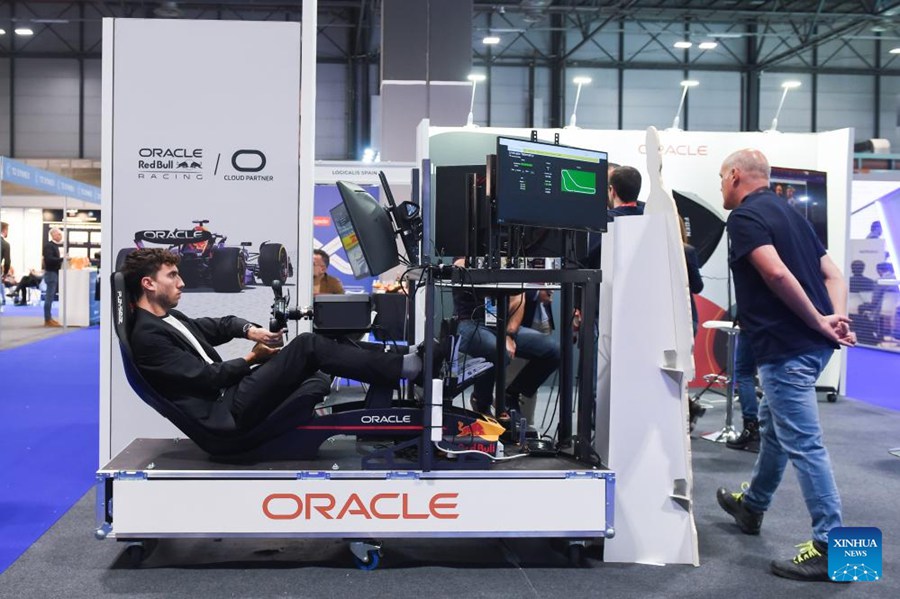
x,y
326,238
203,151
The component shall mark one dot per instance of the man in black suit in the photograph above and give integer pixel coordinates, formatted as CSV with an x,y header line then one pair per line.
x,y
175,353
4,259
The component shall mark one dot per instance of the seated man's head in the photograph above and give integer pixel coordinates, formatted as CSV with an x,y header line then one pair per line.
x,y
875,228
321,260
857,267
151,275
611,167
625,185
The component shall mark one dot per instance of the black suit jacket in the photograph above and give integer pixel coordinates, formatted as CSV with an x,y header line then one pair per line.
x,y
4,256
173,367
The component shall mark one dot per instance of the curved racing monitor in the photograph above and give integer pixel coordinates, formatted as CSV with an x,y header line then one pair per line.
x,y
366,232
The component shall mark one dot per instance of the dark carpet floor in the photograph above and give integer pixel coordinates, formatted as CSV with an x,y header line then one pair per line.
x,y
68,562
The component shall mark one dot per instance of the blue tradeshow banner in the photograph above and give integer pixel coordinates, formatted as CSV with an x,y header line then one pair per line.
x,y
35,178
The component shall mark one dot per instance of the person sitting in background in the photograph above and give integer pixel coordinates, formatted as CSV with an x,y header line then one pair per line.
x,y
885,301
858,281
5,265
322,281
624,188
874,230
20,293
478,339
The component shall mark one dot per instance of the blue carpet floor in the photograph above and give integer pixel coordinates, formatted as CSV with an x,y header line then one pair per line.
x,y
10,310
49,417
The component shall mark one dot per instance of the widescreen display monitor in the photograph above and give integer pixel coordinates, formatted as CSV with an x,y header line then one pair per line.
x,y
366,232
806,192
546,185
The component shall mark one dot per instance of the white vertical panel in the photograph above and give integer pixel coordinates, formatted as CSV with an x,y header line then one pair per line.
x,y
46,107
177,123
846,101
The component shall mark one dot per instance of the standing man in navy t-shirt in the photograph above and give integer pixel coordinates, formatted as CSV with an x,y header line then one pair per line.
x,y
792,302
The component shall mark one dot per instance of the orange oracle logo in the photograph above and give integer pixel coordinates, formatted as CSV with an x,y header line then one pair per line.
x,y
381,506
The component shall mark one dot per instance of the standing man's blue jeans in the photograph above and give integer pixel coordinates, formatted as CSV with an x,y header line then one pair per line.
x,y
745,377
51,280
541,351
790,430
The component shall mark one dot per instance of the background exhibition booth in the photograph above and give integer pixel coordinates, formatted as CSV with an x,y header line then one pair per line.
x,y
33,201
172,173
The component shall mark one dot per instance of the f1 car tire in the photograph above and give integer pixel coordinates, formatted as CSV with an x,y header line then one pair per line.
x,y
273,263
227,268
191,270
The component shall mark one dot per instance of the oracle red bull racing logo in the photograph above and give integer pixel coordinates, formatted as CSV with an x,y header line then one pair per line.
x,y
381,506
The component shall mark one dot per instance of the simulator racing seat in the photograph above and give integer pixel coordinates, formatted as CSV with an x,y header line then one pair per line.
x,y
289,432
223,437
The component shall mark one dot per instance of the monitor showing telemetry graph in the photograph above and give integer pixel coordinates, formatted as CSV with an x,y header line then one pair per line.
x,y
546,185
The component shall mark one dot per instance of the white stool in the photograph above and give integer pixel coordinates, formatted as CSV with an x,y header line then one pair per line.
x,y
727,433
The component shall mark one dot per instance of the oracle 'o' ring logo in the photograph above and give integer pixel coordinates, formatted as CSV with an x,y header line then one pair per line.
x,y
253,161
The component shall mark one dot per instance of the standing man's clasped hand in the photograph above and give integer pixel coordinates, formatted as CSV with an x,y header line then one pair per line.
x,y
837,328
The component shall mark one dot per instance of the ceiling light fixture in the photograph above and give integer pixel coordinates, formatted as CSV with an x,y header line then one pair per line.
x,y
786,86
474,78
683,44
491,40
708,45
579,81
685,85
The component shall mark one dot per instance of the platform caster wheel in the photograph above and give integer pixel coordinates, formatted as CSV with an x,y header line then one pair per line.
x,y
366,554
575,552
370,562
831,397
136,552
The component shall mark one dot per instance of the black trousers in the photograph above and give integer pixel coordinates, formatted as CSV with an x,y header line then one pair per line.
x,y
263,390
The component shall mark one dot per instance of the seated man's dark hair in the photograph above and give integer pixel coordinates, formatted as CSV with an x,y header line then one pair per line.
x,y
857,267
324,256
144,263
626,182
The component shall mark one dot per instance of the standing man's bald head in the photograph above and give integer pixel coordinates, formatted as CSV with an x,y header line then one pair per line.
x,y
743,172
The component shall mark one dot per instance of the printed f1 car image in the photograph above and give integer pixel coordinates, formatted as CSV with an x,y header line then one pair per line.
x,y
207,262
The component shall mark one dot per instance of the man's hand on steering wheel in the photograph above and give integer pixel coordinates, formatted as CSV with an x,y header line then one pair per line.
x,y
265,337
